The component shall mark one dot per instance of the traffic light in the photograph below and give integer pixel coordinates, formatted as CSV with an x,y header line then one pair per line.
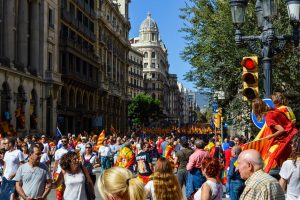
x,y
250,77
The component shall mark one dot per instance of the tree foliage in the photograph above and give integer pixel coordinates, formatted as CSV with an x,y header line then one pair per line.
x,y
215,59
144,109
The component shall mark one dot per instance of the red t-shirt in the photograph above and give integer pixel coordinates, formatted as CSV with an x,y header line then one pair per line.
x,y
276,117
227,153
159,149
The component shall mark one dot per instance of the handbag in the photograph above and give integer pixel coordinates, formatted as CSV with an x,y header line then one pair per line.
x,y
89,187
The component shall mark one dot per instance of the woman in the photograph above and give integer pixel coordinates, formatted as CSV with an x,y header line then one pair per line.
x,y
212,188
280,103
90,160
118,183
74,178
25,151
164,184
280,130
290,172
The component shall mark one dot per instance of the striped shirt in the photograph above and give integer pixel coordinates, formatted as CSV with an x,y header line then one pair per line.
x,y
261,185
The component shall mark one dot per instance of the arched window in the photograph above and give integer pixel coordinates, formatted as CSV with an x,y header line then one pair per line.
x,y
153,55
146,55
153,95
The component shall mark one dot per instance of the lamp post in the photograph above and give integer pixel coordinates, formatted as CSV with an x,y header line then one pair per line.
x,y
266,11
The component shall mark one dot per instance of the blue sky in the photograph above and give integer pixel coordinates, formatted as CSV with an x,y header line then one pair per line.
x,y
166,14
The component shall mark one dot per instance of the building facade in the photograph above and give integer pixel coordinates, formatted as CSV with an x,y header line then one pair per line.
x,y
29,75
155,62
78,64
135,73
113,47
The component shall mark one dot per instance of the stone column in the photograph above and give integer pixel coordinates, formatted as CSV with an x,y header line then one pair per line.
x,y
23,17
34,37
9,32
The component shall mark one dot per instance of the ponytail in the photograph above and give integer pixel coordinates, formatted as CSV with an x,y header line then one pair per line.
x,y
136,189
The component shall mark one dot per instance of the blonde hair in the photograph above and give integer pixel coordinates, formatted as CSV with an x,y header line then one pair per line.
x,y
166,185
119,183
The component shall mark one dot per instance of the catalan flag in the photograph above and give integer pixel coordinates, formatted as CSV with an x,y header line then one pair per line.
x,y
100,140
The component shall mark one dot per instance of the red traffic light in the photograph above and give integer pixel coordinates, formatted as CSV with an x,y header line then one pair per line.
x,y
249,63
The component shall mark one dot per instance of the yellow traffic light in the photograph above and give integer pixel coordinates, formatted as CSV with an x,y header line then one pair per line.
x,y
250,77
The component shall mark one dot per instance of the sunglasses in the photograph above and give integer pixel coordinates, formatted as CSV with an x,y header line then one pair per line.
x,y
64,141
88,147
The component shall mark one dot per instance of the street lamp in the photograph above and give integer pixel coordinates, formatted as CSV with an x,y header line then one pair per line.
x,y
266,11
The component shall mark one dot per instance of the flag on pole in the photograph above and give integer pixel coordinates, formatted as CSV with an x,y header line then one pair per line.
x,y
58,134
101,138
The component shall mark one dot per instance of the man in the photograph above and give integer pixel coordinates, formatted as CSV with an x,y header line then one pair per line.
x,y
195,177
259,185
182,158
57,169
144,163
13,158
46,148
225,144
234,182
33,178
4,144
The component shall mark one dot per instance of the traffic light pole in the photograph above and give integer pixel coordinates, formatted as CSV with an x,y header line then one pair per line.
x,y
267,52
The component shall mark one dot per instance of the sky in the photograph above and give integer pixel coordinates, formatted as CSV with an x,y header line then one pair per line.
x,y
166,14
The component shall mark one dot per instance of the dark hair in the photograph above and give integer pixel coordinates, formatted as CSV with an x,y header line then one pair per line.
x,y
184,144
259,108
31,150
211,166
295,148
12,141
65,161
200,144
278,99
64,137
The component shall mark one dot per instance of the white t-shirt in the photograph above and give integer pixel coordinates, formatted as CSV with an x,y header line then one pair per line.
x,y
12,161
57,156
44,158
291,174
46,148
150,187
104,151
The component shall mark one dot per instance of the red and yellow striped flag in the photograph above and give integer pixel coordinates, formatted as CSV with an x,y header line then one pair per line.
x,y
100,140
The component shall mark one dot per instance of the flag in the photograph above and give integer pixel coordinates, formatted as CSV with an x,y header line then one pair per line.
x,y
100,140
113,130
58,134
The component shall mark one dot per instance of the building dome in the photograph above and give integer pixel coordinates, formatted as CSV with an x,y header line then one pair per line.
x,y
148,24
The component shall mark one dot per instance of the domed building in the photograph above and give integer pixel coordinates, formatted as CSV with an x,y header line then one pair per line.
x,y
155,64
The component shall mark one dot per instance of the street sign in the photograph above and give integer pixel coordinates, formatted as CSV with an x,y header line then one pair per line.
x,y
260,124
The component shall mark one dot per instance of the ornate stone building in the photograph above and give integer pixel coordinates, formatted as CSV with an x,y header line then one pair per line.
x,y
78,65
112,47
155,62
29,75
135,73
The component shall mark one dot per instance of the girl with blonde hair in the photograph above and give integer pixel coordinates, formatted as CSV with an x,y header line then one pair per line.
x,y
164,184
118,183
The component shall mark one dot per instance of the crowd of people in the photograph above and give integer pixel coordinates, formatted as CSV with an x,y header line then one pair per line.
x,y
170,167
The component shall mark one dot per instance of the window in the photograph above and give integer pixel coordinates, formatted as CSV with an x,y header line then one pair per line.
x,y
152,36
153,86
153,65
145,55
72,9
145,65
153,55
50,18
49,61
78,63
79,15
153,75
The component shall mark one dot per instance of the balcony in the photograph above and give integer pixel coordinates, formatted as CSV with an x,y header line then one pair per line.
x,y
66,16
81,3
76,78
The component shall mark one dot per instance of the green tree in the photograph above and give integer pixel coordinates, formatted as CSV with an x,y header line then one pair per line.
x,y
143,110
215,58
